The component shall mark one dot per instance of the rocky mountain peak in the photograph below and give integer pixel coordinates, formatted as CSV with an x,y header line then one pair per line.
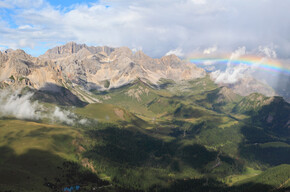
x,y
122,52
105,50
64,50
3,59
171,60
89,67
8,51
84,52
141,55
19,54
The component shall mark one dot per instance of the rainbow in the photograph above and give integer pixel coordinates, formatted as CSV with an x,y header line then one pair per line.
x,y
261,63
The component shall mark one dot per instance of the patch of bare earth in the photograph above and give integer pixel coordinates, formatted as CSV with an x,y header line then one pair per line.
x,y
85,162
119,113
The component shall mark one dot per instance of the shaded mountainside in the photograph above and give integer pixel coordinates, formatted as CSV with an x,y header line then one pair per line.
x,y
272,113
55,94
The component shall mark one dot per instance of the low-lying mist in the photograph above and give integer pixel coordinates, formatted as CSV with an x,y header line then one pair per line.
x,y
18,105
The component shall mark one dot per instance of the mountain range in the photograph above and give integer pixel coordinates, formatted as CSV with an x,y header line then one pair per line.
x,y
109,119
102,68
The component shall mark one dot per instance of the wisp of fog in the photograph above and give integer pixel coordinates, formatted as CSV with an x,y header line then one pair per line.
x,y
20,106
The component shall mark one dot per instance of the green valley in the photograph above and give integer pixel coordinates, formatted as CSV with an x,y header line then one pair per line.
x,y
187,136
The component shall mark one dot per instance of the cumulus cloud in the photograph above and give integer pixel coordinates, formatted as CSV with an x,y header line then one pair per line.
x,y
208,62
238,53
178,52
210,50
233,73
20,106
156,26
135,49
268,51
230,75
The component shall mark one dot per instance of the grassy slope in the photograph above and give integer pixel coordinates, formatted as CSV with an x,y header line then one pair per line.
x,y
174,136
34,150
142,101
24,135
215,131
102,112
276,178
42,157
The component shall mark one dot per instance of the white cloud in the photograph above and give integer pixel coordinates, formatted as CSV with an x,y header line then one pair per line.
x,y
12,103
210,50
5,5
18,106
84,121
208,62
135,49
233,73
238,53
178,52
23,27
199,2
156,26
236,71
230,75
63,116
210,68
268,51
21,3
26,43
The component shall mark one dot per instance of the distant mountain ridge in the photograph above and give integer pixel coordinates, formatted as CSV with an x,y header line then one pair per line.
x,y
100,68
78,65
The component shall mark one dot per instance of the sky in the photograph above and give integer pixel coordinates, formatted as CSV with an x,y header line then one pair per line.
x,y
156,27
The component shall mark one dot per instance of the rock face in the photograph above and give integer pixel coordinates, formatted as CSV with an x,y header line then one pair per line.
x,y
20,69
71,48
90,67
